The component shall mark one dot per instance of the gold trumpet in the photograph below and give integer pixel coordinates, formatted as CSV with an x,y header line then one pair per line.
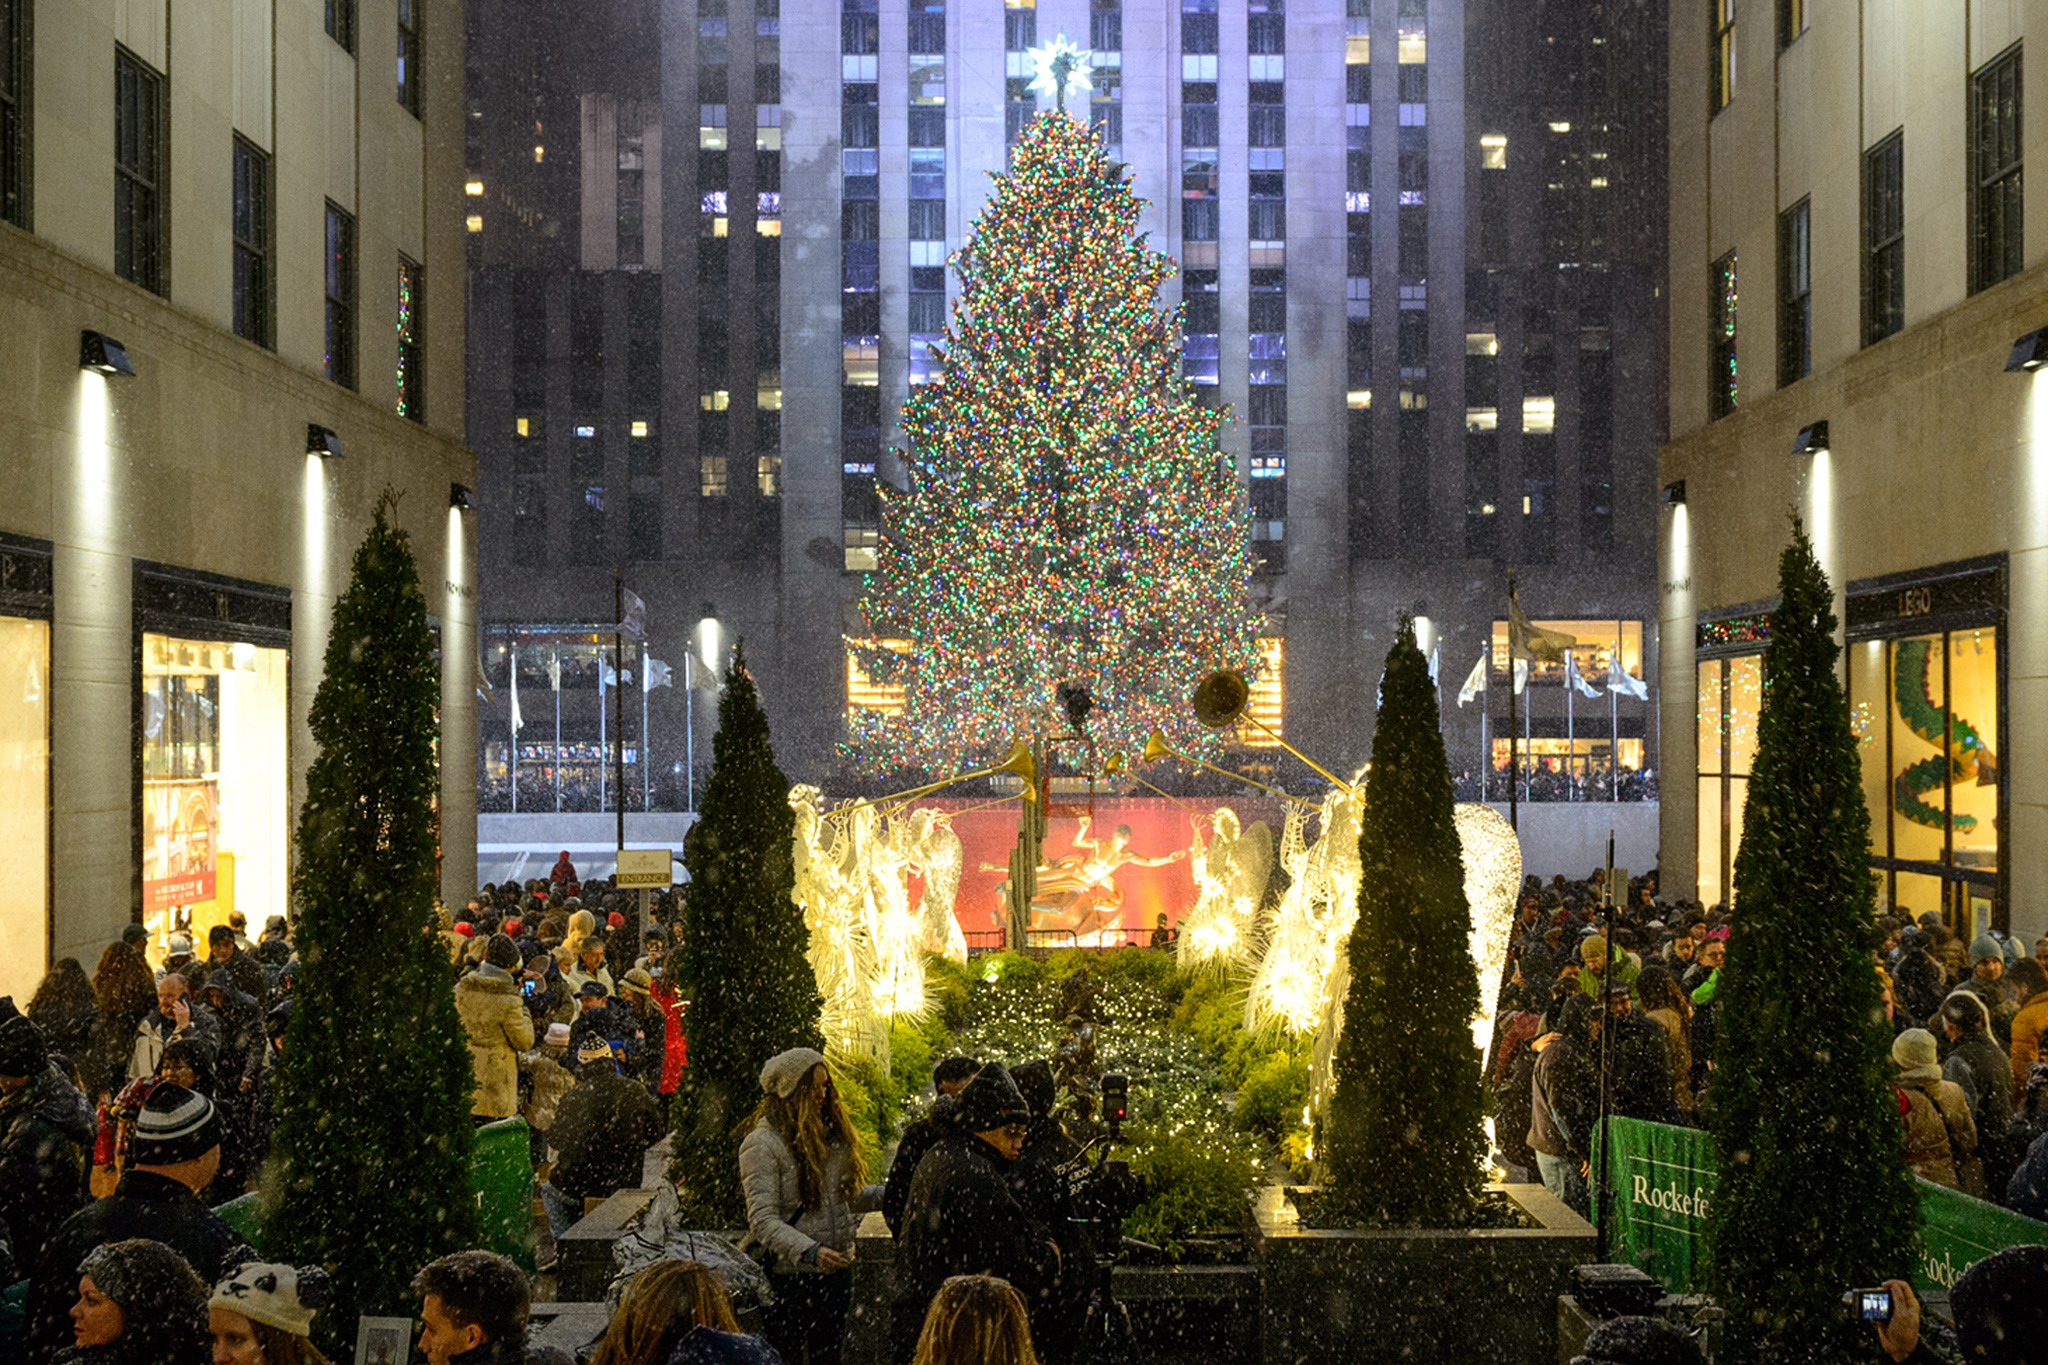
x,y
1157,748
1114,765
1018,761
1220,702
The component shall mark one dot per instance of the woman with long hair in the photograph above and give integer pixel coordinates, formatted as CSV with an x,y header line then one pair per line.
x,y
125,990
677,1313
805,1177
64,1009
976,1320
263,1315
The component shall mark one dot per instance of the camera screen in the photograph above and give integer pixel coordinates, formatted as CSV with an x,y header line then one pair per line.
x,y
1877,1305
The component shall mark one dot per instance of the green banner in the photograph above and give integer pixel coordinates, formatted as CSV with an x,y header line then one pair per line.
x,y
1664,1179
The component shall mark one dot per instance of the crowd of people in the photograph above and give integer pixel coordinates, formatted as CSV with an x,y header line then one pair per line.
x,y
1966,1018
1549,779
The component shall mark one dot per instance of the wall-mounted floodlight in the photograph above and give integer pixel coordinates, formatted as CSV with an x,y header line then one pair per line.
x,y
1673,494
2030,352
1811,440
102,354
461,497
322,441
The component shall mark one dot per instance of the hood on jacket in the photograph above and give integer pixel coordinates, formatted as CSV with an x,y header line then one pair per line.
x,y
223,981
52,1098
495,980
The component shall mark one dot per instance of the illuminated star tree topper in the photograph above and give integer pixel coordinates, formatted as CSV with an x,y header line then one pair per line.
x,y
1057,65
1068,518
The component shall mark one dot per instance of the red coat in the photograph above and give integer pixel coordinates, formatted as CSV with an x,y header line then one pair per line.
x,y
674,1055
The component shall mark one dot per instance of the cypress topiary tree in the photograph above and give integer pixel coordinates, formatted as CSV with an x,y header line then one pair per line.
x,y
744,944
1403,1139
370,1159
1805,1121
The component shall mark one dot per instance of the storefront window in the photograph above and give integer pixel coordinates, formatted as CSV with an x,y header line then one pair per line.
x,y
215,782
1924,674
24,803
1730,695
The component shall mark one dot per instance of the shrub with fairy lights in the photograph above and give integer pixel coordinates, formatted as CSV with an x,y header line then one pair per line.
x,y
1068,516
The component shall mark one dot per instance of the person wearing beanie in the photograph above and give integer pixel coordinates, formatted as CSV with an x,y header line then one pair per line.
x,y
804,1174
262,1314
499,1028
1986,981
1603,963
563,871
599,1016
602,1130
1941,1137
173,1153
137,1303
963,1218
46,1132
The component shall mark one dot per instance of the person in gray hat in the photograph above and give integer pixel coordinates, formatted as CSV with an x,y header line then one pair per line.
x,y
1986,981
138,1303
175,1152
805,1178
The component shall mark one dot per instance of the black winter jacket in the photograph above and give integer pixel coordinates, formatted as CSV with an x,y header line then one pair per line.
x,y
603,1128
144,1204
962,1219
919,1138
46,1132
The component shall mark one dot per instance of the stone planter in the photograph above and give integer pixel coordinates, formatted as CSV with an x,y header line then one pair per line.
x,y
1480,1294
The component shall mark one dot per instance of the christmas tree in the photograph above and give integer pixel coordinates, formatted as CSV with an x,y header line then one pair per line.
x,y
371,1153
744,944
1069,518
1403,1141
1804,1116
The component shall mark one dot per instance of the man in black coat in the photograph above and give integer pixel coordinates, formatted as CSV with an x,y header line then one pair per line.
x,y
602,1130
46,1130
1040,1183
1639,1080
175,1150
949,1078
226,955
962,1218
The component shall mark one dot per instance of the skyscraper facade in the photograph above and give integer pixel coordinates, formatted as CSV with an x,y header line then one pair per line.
x,y
1419,250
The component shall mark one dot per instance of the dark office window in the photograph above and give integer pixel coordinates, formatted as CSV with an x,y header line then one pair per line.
x,y
138,172
412,380
927,220
341,23
1721,50
1884,238
1721,341
251,232
340,286
14,112
1198,221
1020,30
1267,115
1106,29
1995,215
1795,293
1266,34
409,69
927,31
1197,31
1791,21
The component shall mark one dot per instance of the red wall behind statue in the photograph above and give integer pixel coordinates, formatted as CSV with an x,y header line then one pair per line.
x,y
1158,827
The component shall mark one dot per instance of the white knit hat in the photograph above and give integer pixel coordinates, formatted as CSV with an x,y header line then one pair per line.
x,y
279,1296
785,1071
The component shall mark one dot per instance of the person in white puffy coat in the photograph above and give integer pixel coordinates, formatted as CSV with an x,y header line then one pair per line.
x,y
805,1179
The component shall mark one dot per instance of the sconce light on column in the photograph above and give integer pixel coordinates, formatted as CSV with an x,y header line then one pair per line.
x,y
322,441
102,354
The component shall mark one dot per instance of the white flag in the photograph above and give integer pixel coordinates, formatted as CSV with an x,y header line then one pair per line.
x,y
1436,656
633,622
605,676
555,671
1624,683
517,720
1521,675
654,673
1577,679
1475,681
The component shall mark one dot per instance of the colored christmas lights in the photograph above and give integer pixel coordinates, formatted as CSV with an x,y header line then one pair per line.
x,y
1069,517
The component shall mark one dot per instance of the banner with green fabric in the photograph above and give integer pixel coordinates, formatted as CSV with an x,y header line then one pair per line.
x,y
1664,1178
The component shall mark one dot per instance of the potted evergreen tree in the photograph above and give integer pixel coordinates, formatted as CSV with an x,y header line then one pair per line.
x,y
1805,1120
370,1160
1413,1255
744,945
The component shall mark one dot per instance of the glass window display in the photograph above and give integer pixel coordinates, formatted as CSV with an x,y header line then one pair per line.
x,y
215,797
24,802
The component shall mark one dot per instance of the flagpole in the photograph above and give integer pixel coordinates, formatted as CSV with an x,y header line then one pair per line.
x,y
646,758
1571,746
619,682
1485,745
602,750
1514,761
556,679
690,729
1614,723
513,650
